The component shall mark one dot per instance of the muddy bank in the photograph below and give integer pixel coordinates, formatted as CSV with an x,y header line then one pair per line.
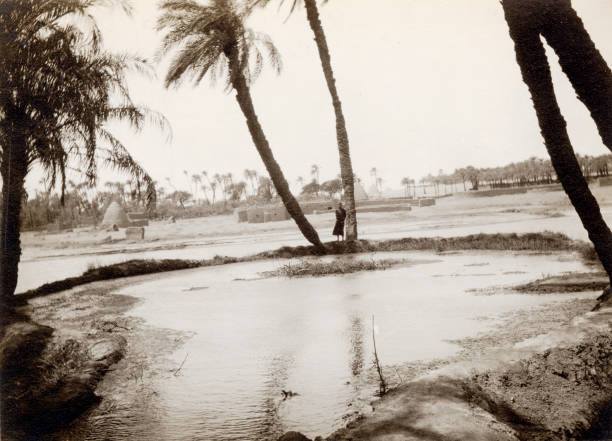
x,y
54,380
572,282
555,386
93,309
51,372
91,346
542,242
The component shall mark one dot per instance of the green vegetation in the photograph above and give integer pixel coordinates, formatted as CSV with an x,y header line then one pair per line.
x,y
343,265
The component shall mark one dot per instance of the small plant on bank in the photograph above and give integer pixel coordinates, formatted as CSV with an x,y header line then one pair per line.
x,y
382,383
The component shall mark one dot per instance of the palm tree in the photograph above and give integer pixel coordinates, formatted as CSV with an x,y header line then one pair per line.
x,y
346,168
314,172
374,174
254,180
196,179
525,26
379,182
406,183
423,182
204,189
248,175
219,181
213,189
575,49
55,97
214,40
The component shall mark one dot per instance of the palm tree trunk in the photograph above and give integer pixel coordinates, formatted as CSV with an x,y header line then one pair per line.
x,y
243,96
13,169
346,168
580,60
531,58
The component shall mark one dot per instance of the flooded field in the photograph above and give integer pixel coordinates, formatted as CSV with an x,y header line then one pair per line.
x,y
253,337
45,264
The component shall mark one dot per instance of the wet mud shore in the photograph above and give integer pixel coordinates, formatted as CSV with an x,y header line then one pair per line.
x,y
553,386
106,353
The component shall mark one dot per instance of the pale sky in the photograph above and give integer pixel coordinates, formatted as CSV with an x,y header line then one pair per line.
x,y
425,85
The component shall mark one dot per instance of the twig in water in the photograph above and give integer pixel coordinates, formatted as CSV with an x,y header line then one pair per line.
x,y
382,384
399,376
181,366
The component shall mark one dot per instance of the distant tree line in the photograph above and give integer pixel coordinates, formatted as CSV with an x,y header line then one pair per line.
x,y
533,171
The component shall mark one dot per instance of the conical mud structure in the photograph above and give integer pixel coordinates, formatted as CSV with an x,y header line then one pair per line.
x,y
115,215
360,193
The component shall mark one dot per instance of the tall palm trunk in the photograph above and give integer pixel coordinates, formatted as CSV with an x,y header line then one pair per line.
x,y
580,60
13,169
531,58
346,168
243,96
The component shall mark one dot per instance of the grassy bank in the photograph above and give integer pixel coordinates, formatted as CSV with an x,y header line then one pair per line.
x,y
305,268
572,282
540,242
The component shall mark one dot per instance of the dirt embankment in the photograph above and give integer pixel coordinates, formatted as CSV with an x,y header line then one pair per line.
x,y
542,242
571,282
556,386
63,367
50,373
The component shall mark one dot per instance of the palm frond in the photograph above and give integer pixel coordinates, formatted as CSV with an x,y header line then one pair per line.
x,y
204,38
118,157
66,88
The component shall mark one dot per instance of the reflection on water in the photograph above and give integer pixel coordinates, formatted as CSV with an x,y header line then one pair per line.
x,y
356,346
252,340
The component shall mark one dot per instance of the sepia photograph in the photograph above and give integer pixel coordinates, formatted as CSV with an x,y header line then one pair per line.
x,y
305,220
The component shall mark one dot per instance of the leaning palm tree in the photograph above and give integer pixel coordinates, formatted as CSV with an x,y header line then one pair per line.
x,y
212,39
575,49
346,168
58,88
524,18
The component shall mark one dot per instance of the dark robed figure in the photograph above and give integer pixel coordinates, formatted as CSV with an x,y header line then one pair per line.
x,y
339,226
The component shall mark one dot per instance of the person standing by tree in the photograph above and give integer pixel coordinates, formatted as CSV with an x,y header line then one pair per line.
x,y
339,226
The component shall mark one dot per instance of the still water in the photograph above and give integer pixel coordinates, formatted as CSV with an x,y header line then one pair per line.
x,y
253,337
42,266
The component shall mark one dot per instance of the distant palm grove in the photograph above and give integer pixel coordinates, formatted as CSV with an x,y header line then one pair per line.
x,y
60,89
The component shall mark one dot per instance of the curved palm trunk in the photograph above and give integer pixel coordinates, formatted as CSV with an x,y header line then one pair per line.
x,y
531,58
580,60
13,168
346,168
243,96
